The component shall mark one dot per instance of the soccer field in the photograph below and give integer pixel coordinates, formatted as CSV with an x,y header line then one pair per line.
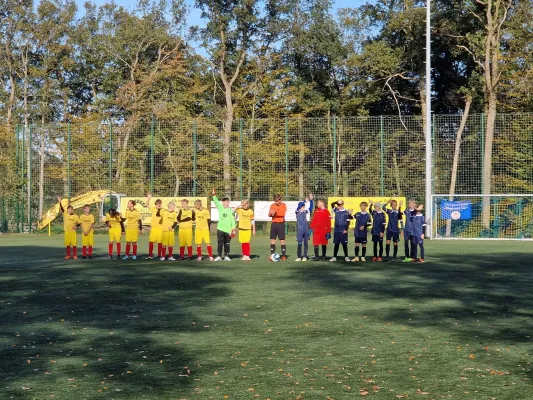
x,y
457,327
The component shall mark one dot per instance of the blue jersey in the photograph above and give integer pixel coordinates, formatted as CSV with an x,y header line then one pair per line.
x,y
409,221
418,224
378,222
362,219
302,225
395,218
342,220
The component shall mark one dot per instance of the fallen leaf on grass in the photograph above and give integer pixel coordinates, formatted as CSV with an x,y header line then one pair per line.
x,y
472,357
420,392
25,388
363,392
402,396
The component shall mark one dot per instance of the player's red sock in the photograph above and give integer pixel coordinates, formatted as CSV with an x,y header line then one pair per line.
x,y
159,249
135,249
246,249
163,251
243,248
118,249
199,251
170,249
90,250
189,251
68,251
128,247
110,249
84,251
151,249
182,252
74,251
209,251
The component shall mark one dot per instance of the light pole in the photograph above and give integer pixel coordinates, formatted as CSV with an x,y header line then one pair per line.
x,y
429,146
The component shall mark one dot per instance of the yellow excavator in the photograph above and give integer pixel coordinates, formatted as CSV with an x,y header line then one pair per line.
x,y
108,200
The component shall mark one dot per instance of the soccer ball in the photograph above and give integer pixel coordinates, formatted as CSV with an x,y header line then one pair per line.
x,y
275,257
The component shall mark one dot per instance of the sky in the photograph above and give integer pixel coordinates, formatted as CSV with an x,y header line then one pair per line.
x,y
194,16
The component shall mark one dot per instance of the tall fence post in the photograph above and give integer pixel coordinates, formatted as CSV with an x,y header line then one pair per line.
x,y
381,158
286,158
17,174
152,133
195,155
482,150
240,156
110,172
29,178
334,155
68,161
22,176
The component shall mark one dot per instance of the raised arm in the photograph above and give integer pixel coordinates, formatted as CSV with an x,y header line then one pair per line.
x,y
61,209
148,198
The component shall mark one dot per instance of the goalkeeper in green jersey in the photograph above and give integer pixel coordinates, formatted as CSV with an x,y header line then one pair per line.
x,y
225,228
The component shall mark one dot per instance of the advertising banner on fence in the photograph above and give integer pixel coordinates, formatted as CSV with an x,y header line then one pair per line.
x,y
261,210
456,210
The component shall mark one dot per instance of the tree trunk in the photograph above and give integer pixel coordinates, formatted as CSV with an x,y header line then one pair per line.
x,y
457,152
226,142
487,157
396,174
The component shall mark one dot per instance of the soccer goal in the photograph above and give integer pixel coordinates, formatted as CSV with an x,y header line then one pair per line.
x,y
476,216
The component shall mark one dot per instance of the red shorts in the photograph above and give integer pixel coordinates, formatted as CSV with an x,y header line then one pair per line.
x,y
319,238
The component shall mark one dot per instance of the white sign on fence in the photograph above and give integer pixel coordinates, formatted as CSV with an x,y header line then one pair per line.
x,y
261,209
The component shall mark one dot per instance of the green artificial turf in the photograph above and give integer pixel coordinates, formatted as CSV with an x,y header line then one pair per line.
x,y
457,327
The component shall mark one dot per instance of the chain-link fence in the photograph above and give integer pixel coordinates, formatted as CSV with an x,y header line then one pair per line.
x,y
359,156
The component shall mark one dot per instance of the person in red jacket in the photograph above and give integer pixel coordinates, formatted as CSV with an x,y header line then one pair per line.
x,y
321,226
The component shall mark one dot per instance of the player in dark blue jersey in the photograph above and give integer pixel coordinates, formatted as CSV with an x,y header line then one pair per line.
x,y
417,237
408,230
363,220
340,231
393,227
378,230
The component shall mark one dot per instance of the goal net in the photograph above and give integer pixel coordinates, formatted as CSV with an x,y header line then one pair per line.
x,y
475,216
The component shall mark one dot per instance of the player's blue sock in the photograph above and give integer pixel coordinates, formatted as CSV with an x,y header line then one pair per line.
x,y
421,250
387,250
306,248
364,251
357,251
299,253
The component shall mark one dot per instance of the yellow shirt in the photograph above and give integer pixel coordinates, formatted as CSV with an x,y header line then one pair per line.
x,y
114,222
132,217
86,222
245,218
186,214
70,221
156,221
169,218
202,218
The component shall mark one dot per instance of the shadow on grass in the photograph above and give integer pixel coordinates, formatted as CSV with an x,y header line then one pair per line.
x,y
487,298
82,328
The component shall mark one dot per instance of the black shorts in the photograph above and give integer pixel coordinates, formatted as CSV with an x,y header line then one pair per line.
x,y
394,236
360,240
277,231
377,238
339,237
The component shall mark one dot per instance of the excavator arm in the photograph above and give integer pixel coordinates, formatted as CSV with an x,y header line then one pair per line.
x,y
93,197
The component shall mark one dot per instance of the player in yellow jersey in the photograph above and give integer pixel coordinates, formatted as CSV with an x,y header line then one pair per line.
x,y
168,224
246,227
115,222
70,223
134,226
156,233
186,217
87,232
202,234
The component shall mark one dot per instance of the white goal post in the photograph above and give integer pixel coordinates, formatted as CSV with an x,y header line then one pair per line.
x,y
461,216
